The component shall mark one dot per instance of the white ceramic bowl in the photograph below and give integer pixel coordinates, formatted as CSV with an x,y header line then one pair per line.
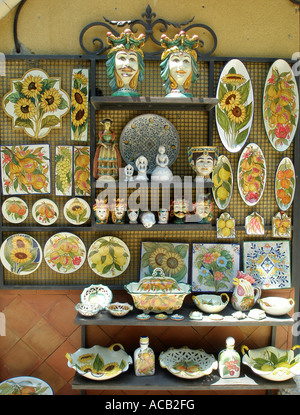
x,y
119,309
99,295
276,306
211,303
87,310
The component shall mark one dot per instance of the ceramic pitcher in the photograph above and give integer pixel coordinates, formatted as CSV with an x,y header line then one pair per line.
x,y
244,295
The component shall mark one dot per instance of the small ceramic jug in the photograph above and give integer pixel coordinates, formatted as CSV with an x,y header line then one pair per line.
x,y
244,295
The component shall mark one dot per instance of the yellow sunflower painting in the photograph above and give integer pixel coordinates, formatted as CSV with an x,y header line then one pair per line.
x,y
79,105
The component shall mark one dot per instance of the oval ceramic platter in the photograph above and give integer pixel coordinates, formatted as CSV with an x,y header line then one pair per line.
x,y
21,254
45,212
14,210
234,111
25,385
64,252
222,182
108,256
280,105
285,183
251,174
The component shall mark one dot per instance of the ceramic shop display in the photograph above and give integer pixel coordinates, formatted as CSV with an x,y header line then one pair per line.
x,y
77,211
280,105
63,170
14,210
119,309
100,363
222,182
276,306
45,212
211,303
234,111
25,385
285,184
99,295
80,104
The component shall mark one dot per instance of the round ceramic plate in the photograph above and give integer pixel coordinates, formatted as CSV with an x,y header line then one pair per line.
x,y
77,211
108,256
64,252
45,212
14,210
144,134
21,254
25,385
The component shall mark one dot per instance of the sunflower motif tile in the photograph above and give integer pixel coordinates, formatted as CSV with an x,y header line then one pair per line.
x,y
36,103
79,105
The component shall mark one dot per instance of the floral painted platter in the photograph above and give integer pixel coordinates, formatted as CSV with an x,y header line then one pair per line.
x,y
234,111
285,183
108,256
36,103
64,252
77,211
280,105
25,169
45,212
25,385
251,174
222,182
21,254
14,210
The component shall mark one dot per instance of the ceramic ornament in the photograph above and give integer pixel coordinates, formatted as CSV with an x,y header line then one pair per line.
x,y
285,183
82,171
79,104
222,182
234,111
63,170
36,103
280,105
281,225
254,224
225,226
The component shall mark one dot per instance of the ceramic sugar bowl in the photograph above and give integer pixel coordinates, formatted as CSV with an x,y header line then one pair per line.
x,y
244,295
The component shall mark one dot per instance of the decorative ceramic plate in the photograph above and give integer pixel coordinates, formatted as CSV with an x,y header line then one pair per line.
x,y
64,252
234,112
285,183
45,212
187,363
280,105
144,134
254,224
281,225
25,385
108,256
14,210
21,254
251,174
222,182
77,211
97,294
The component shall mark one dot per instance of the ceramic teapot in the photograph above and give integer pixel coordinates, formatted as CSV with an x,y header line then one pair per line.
x,y
244,295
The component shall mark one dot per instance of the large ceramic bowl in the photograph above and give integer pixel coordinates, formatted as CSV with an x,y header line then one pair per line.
x,y
187,363
100,363
158,293
211,303
272,363
276,306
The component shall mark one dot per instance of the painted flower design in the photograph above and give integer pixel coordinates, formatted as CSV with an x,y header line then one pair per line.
x,y
79,105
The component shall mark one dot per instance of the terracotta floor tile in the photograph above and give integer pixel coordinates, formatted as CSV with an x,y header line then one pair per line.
x,y
67,390
58,361
20,316
62,315
75,338
6,299
43,339
49,375
21,360
4,372
41,303
8,341
95,335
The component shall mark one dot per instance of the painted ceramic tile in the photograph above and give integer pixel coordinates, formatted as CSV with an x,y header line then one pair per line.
x,y
36,103
25,169
251,174
280,105
234,112
214,266
254,224
63,170
82,171
285,184
225,226
173,258
79,106
222,182
281,225
269,263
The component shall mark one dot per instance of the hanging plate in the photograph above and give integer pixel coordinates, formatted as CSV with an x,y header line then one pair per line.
x,y
14,210
222,182
251,174
45,212
285,183
234,112
280,105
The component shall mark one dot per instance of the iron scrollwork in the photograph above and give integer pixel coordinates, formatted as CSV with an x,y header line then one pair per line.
x,y
148,24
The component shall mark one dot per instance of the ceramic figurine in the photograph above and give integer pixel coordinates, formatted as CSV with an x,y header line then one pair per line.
x,y
161,172
203,160
179,67
118,210
244,295
133,215
144,359
148,219
142,167
180,209
125,63
163,216
229,360
101,209
128,171
203,209
107,159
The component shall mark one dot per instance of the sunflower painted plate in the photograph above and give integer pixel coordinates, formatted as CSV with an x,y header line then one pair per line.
x,y
14,210
285,183
45,212
77,211
108,256
21,254
64,252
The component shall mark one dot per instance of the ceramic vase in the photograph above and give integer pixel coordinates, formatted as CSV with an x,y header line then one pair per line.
x,y
144,359
229,360
244,295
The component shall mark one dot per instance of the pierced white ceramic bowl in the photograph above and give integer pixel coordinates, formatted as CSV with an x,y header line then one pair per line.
x,y
119,309
99,295
276,306
211,303
87,310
